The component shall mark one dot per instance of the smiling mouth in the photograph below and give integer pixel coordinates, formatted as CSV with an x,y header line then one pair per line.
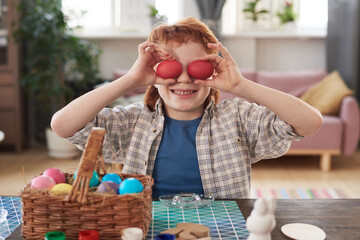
x,y
188,92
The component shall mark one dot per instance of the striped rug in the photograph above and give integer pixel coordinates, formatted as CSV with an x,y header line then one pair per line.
x,y
298,193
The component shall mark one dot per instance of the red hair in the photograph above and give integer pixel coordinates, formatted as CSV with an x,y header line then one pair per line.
x,y
188,29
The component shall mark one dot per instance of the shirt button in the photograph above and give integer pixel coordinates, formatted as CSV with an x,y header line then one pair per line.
x,y
238,140
154,130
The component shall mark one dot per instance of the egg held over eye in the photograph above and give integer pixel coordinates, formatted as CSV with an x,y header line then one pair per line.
x,y
169,69
200,69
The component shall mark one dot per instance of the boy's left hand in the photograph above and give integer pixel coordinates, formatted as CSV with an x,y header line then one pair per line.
x,y
227,76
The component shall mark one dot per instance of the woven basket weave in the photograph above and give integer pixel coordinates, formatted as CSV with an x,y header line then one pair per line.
x,y
109,214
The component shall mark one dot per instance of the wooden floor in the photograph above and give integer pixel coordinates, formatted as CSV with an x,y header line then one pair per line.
x,y
286,172
304,172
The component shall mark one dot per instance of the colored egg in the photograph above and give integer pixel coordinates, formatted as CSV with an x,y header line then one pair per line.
x,y
94,181
112,177
55,174
108,187
61,188
130,185
42,182
200,69
169,69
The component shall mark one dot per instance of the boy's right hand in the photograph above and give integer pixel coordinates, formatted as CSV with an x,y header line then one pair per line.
x,y
142,72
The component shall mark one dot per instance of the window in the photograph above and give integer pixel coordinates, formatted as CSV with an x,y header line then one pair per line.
x,y
132,15
115,15
90,13
313,14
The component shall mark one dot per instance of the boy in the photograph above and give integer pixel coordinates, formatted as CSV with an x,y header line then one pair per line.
x,y
180,135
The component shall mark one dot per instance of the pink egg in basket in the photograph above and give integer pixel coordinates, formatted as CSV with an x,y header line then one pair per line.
x,y
55,174
42,182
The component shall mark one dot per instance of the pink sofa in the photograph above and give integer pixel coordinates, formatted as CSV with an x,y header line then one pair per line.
x,y
338,135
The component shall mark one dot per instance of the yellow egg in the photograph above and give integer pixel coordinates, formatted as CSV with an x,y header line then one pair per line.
x,y
61,188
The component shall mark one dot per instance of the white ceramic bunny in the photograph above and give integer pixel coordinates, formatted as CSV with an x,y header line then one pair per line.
x,y
261,221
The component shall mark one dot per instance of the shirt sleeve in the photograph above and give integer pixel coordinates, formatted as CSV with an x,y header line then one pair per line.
x,y
118,123
268,135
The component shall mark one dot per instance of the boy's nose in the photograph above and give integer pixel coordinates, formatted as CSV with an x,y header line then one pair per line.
x,y
184,77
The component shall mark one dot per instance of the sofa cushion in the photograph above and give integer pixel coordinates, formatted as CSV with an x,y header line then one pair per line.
x,y
292,82
328,137
327,94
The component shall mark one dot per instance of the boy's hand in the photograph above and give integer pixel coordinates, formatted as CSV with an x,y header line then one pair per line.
x,y
227,76
142,72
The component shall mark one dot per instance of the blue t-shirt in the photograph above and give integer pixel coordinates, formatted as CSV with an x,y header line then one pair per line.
x,y
176,166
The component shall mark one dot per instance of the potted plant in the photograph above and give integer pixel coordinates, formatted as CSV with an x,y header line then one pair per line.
x,y
155,16
288,15
251,10
56,65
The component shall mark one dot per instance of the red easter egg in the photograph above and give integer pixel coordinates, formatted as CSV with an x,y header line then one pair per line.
x,y
169,69
200,69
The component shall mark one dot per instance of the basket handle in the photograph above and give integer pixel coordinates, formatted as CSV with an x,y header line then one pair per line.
x,y
87,165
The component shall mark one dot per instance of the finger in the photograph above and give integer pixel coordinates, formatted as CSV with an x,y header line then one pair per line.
x,y
218,46
144,46
165,82
213,58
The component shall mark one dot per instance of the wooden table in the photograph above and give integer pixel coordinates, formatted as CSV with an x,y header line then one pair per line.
x,y
339,218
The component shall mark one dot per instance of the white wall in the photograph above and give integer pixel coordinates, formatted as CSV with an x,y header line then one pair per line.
x,y
259,53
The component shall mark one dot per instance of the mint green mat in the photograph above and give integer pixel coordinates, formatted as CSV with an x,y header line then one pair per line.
x,y
224,219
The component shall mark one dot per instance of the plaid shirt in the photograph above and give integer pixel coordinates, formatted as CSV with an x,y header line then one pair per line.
x,y
230,137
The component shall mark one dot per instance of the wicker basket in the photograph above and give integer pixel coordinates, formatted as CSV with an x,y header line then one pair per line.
x,y
109,214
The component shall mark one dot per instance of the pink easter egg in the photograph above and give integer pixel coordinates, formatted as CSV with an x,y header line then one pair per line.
x,y
42,182
55,174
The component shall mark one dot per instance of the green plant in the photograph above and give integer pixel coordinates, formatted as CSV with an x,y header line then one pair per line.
x,y
251,10
288,13
153,11
56,65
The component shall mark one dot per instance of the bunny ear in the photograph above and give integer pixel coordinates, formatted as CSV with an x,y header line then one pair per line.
x,y
261,206
271,202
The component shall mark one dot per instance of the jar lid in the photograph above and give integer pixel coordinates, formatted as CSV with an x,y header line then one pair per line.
x,y
132,233
55,236
89,235
165,236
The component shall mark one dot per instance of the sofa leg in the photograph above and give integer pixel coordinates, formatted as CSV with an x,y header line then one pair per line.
x,y
325,161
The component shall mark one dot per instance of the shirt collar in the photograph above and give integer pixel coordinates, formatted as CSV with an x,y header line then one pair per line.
x,y
159,107
208,110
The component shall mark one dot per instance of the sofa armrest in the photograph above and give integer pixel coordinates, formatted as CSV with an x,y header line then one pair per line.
x,y
350,116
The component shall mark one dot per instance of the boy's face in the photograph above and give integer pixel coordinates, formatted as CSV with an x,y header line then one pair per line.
x,y
184,100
